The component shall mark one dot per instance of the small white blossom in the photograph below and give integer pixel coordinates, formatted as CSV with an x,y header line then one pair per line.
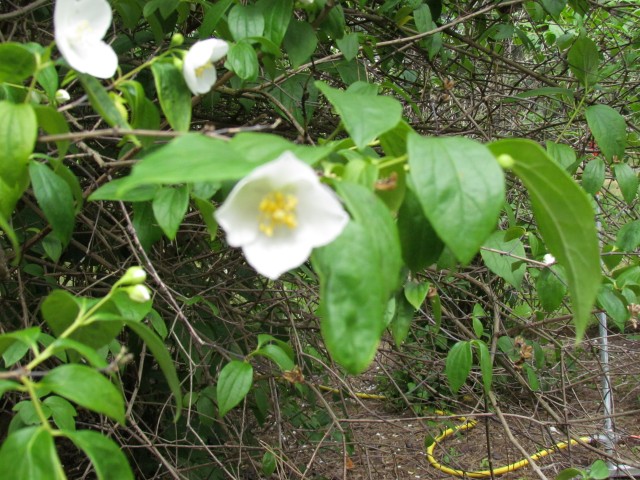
x,y
80,26
279,213
139,293
548,259
198,68
62,96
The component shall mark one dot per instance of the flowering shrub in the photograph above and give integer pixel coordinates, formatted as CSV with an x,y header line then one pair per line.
x,y
357,212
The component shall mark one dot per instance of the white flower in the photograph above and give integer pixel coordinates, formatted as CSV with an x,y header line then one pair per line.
x,y
548,259
198,68
79,28
62,96
139,293
279,213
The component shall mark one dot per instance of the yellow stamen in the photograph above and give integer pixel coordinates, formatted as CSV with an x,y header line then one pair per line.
x,y
277,209
203,68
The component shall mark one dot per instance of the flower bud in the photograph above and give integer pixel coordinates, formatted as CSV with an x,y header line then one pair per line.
x,y
139,293
506,161
548,259
134,276
62,96
177,39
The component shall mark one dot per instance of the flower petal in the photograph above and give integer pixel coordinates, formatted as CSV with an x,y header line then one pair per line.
x,y
273,256
96,58
285,170
321,216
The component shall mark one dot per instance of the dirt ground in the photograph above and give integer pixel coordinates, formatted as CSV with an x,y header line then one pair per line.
x,y
380,441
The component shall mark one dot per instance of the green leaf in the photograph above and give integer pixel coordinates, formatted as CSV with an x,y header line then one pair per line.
x,y
161,354
584,61
381,113
300,42
245,21
8,385
565,219
485,364
206,210
60,309
30,454
101,102
554,7
593,176
402,318
201,159
615,307
416,293
269,464
421,245
349,45
90,354
114,191
86,387
458,365
599,470
106,456
277,15
55,199
505,266
551,289
243,60
570,473
563,154
18,131
173,94
53,122
609,130
17,62
627,181
628,238
62,412
460,187
233,385
213,13
278,355
169,207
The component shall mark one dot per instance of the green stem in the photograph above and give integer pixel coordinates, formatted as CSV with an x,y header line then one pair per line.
x,y
573,115
37,405
393,161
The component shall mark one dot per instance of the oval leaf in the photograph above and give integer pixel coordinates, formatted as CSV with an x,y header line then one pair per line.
x,y
30,454
458,365
106,456
609,130
174,95
233,385
460,187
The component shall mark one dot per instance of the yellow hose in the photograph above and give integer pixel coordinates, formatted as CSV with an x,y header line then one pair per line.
x,y
468,425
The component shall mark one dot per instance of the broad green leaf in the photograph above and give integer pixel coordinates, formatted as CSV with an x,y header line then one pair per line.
x,y
60,309
277,15
53,122
106,456
532,378
145,224
245,21
627,181
90,354
17,62
18,131
353,297
278,355
242,59
551,289
593,176
8,385
458,365
460,187
233,385
298,97
584,61
599,470
161,354
102,103
554,7
30,454
62,412
206,210
381,113
14,345
609,129
173,94
416,293
570,473
563,154
370,212
484,358
86,387
300,42
546,91
55,199
269,464
421,245
505,266
213,13
628,238
187,159
113,191
349,45
565,219
402,318
10,193
613,304
169,207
